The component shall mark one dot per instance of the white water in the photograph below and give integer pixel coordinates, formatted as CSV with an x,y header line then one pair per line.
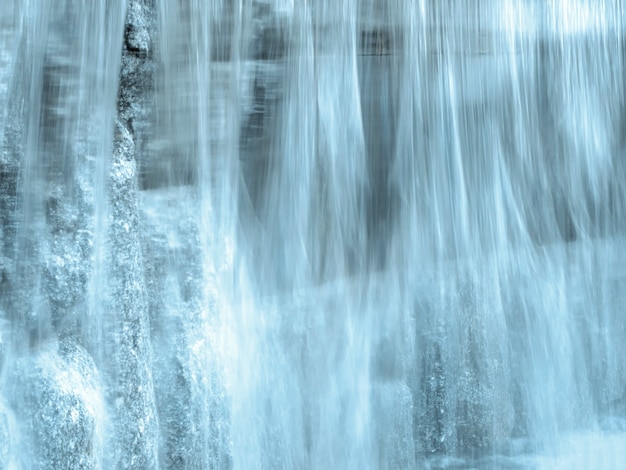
x,y
312,234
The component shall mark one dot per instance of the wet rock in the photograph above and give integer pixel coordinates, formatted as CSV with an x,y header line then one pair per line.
x,y
137,75
7,437
270,40
4,441
477,424
193,416
60,409
392,403
138,25
484,416
387,363
4,338
65,280
613,424
8,206
129,376
66,253
61,215
613,415
431,420
5,272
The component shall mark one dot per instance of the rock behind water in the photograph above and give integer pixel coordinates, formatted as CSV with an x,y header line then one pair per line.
x,y
58,404
6,421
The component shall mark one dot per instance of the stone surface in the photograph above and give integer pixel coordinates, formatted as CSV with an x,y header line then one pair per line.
x,y
392,402
129,378
137,83
66,256
129,375
193,411
7,437
57,396
432,407
11,153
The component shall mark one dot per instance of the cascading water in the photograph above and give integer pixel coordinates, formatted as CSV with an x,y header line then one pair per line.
x,y
312,234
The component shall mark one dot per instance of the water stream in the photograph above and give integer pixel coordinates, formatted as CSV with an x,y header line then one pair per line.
x,y
303,234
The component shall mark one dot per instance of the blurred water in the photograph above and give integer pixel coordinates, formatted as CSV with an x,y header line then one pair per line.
x,y
312,234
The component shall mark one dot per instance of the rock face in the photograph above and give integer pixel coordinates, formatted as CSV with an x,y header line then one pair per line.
x,y
129,376
192,406
431,402
66,253
8,201
60,408
137,75
7,436
130,381
135,102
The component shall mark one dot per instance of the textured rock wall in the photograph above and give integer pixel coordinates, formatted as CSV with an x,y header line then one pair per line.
x,y
49,180
131,387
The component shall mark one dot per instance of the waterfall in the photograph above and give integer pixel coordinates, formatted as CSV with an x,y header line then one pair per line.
x,y
310,234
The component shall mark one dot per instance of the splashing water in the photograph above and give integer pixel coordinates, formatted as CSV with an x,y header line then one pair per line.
x,y
312,234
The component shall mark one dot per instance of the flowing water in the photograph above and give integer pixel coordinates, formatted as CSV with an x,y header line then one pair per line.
x,y
312,234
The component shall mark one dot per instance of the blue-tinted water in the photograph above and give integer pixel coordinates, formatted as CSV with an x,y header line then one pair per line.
x,y
312,234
